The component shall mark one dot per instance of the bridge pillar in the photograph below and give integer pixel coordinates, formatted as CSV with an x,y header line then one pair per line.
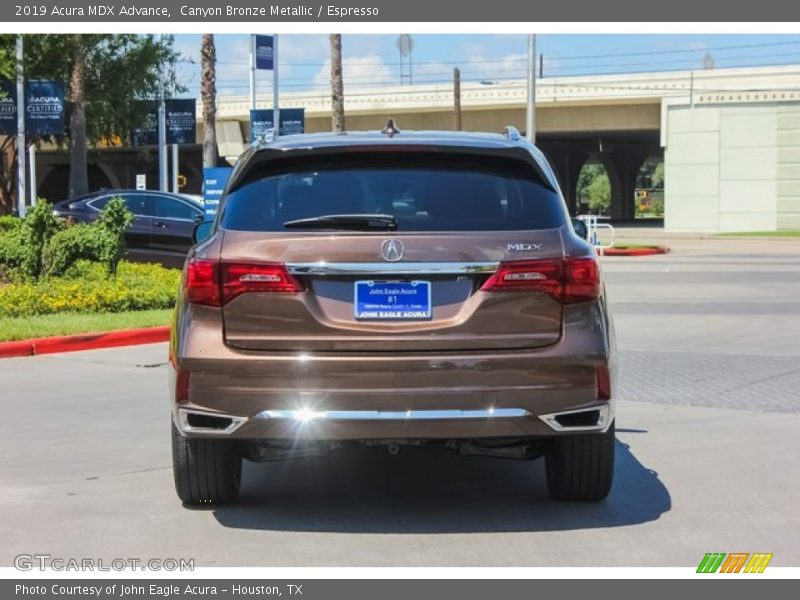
x,y
623,169
567,166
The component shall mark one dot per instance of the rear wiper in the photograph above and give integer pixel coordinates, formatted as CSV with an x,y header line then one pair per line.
x,y
379,222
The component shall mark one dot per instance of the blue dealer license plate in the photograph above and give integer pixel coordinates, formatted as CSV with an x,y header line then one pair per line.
x,y
387,300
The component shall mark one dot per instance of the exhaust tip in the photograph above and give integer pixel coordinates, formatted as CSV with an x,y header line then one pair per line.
x,y
193,421
595,418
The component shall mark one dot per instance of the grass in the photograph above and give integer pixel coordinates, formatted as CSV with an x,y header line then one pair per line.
x,y
634,245
23,328
789,233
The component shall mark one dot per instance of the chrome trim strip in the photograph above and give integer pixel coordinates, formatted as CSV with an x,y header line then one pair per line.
x,y
183,422
604,412
386,268
387,415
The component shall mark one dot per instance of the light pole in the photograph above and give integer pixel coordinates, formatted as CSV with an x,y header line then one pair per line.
x,y
20,130
276,111
163,183
530,116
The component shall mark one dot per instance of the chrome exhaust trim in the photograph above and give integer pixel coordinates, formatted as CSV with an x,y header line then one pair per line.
x,y
601,424
227,428
305,415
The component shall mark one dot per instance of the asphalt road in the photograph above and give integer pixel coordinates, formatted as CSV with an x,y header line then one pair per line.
x,y
707,452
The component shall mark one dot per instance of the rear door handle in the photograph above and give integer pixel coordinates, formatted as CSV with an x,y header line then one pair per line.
x,y
160,224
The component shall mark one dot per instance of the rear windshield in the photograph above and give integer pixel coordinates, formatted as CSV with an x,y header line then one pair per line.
x,y
423,193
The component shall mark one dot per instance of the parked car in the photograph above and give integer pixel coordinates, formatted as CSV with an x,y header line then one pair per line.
x,y
162,225
393,288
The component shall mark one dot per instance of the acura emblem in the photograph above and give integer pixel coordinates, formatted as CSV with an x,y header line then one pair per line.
x,y
392,250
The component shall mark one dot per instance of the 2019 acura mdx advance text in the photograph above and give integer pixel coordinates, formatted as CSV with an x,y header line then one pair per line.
x,y
392,288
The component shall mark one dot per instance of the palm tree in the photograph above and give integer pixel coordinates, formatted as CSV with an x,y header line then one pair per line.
x,y
337,84
78,163
208,94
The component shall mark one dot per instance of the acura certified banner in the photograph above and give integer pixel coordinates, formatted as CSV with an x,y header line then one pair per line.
x,y
45,112
180,119
292,121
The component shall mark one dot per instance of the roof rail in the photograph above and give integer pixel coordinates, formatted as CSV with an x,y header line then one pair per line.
x,y
512,134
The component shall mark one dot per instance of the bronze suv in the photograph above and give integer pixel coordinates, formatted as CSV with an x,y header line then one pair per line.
x,y
392,288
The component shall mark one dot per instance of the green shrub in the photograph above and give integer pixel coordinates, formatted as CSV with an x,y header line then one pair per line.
x,y
12,249
86,288
8,223
103,241
22,244
39,226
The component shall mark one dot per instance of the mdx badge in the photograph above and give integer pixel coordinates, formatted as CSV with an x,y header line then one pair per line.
x,y
392,250
523,247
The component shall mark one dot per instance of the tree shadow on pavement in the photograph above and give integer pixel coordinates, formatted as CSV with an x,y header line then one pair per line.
x,y
431,491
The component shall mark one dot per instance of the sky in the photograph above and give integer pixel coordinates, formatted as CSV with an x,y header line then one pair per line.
x,y
374,60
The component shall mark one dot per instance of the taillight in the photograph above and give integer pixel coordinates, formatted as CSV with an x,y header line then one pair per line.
x,y
201,283
182,386
215,283
581,280
567,280
603,383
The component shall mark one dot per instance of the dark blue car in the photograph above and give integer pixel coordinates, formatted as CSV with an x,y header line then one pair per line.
x,y
162,225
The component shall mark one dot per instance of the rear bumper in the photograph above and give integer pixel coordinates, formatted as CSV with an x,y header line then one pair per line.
x,y
391,425
444,395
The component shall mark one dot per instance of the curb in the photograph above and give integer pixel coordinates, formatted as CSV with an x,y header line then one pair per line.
x,y
635,251
84,341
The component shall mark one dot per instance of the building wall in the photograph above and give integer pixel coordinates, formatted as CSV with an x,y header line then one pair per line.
x,y
788,202
732,168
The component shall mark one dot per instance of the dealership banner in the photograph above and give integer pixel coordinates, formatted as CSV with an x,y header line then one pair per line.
x,y
45,109
181,120
265,52
214,181
293,121
384,11
8,108
147,133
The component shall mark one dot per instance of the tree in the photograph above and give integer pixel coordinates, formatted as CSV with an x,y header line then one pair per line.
x,y
78,165
337,84
106,75
651,174
208,94
657,180
7,61
594,188
599,192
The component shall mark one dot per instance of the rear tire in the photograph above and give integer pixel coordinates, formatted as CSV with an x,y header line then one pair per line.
x,y
580,468
207,471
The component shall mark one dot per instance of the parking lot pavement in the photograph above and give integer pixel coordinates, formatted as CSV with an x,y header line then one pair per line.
x,y
706,454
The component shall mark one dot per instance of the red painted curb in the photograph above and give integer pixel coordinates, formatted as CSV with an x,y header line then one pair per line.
x,y
85,341
11,349
635,251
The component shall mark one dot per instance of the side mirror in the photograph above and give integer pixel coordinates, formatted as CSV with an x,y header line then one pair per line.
x,y
580,228
202,231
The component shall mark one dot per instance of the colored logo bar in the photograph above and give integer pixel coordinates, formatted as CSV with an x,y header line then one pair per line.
x,y
735,562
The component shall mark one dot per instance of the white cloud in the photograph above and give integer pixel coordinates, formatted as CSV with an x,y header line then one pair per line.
x,y
303,48
363,71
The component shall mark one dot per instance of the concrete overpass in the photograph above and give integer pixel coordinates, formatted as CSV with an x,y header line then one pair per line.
x,y
620,121
720,131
